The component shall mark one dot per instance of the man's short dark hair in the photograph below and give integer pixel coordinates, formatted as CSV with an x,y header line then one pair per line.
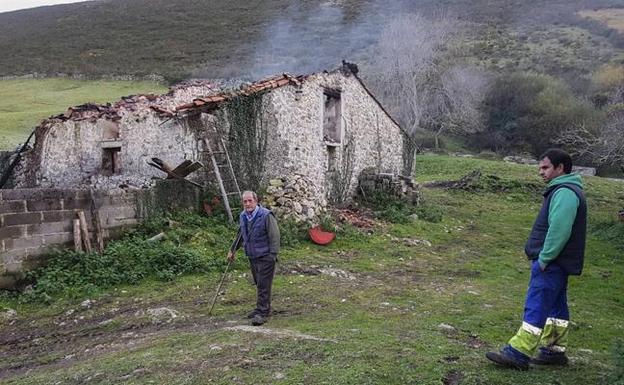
x,y
557,156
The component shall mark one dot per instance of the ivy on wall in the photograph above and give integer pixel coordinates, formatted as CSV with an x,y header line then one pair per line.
x,y
340,178
243,118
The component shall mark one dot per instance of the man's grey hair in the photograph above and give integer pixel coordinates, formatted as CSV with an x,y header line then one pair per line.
x,y
249,192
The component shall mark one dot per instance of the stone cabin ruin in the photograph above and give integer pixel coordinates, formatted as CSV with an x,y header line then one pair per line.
x,y
325,126
306,139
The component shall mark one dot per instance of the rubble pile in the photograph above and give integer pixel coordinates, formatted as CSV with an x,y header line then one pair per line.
x,y
361,218
370,181
296,197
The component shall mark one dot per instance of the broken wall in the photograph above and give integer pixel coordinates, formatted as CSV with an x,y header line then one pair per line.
x,y
78,147
297,143
34,220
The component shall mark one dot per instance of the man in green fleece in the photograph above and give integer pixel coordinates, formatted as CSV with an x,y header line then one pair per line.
x,y
556,248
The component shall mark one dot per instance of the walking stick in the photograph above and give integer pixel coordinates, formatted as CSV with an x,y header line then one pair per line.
x,y
219,287
234,245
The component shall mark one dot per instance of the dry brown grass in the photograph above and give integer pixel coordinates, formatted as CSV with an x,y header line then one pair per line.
x,y
612,17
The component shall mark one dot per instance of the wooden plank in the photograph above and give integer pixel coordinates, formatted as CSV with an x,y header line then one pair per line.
x,y
189,169
99,238
178,170
77,238
84,232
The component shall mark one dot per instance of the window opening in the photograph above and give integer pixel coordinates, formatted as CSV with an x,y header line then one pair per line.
x,y
331,116
111,164
332,158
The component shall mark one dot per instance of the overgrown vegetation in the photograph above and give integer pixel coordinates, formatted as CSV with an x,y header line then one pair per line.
x,y
616,377
245,119
396,210
193,244
610,231
418,302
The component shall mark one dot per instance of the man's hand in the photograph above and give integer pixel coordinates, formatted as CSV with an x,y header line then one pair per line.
x,y
231,256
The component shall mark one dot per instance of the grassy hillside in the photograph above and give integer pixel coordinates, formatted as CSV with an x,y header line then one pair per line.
x,y
392,311
24,103
213,38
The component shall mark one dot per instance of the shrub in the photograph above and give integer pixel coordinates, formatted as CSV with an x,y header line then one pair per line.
x,y
195,245
616,377
292,233
393,209
611,231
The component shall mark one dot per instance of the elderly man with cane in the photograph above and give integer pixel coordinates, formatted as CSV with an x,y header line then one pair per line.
x,y
259,234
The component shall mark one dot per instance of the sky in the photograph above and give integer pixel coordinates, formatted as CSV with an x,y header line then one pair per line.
x,y
12,5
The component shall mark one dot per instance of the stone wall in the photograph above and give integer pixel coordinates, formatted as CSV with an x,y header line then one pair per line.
x,y
371,182
72,150
34,220
69,149
296,145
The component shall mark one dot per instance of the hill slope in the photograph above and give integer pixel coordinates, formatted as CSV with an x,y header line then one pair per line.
x,y
235,38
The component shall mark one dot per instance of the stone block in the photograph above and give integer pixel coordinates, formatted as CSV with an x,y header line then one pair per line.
x,y
44,205
7,232
49,228
7,206
21,219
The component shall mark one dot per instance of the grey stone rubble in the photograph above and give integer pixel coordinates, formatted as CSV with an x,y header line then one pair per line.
x,y
295,197
370,181
519,159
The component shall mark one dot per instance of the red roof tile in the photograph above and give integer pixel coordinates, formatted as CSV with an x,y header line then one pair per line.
x,y
262,85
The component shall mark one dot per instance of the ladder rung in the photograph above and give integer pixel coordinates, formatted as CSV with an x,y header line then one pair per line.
x,y
232,193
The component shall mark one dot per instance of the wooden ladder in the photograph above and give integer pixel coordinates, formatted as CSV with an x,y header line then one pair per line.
x,y
222,165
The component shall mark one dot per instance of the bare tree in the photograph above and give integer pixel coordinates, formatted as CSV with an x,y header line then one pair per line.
x,y
606,147
412,75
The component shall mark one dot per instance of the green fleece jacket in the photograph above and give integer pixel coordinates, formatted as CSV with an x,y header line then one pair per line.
x,y
561,215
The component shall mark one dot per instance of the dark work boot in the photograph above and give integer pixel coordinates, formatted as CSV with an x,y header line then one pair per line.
x,y
546,356
510,358
258,320
252,313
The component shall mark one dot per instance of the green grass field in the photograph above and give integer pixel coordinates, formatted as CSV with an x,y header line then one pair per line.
x,y
379,320
24,103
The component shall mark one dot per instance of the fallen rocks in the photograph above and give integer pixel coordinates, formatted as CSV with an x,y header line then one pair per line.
x,y
295,197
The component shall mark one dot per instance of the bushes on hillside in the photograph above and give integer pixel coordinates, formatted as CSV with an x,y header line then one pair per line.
x,y
527,111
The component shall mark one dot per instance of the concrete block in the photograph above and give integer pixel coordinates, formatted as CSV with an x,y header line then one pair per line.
x,y
77,204
44,205
7,232
36,258
7,206
21,219
7,282
58,216
58,239
13,268
38,194
23,243
111,216
48,228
